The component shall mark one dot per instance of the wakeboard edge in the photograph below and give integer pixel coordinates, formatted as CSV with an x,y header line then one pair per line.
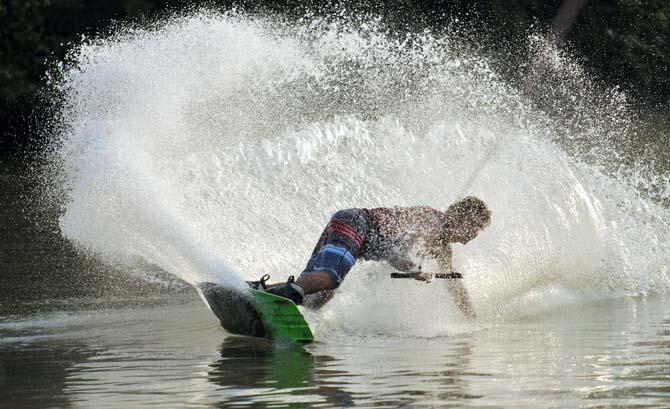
x,y
255,313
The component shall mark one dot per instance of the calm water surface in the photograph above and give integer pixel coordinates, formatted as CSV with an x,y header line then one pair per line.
x,y
606,354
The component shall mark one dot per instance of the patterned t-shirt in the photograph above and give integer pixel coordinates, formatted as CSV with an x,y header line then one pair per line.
x,y
392,232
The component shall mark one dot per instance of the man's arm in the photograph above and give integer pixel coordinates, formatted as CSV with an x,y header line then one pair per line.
x,y
461,298
399,257
455,286
403,263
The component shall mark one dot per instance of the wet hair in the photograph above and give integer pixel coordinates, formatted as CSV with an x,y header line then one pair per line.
x,y
469,212
471,209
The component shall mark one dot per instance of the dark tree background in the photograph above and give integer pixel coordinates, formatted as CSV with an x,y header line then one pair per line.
x,y
626,42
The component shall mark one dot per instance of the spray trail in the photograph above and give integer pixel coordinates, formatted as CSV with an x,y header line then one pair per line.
x,y
216,146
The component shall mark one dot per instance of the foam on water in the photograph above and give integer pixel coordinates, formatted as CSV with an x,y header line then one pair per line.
x,y
217,146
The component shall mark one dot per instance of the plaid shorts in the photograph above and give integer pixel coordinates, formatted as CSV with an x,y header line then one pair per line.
x,y
339,245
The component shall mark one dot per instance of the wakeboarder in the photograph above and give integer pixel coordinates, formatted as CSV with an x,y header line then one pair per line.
x,y
393,235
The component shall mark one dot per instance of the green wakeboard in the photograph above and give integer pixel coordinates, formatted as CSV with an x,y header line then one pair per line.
x,y
256,313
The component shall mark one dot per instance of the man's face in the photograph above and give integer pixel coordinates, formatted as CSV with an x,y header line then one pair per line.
x,y
465,232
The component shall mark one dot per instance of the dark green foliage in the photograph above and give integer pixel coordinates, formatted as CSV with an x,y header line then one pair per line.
x,y
625,42
629,43
34,32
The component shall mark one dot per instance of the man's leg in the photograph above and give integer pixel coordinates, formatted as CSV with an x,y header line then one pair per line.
x,y
335,253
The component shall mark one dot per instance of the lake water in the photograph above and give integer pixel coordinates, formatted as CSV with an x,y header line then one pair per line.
x,y
215,147
174,354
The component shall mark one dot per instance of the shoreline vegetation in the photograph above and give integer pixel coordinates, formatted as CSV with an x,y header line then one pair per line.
x,y
623,44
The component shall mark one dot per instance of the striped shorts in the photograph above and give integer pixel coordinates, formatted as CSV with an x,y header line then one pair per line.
x,y
339,245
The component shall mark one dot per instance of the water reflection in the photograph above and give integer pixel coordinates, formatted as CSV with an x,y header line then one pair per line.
x,y
367,372
173,356
641,373
455,378
36,375
254,371
403,372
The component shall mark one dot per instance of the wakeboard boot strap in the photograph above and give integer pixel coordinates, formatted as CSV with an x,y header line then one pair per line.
x,y
260,284
290,290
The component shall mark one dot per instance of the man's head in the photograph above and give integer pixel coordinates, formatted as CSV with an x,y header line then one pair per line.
x,y
464,220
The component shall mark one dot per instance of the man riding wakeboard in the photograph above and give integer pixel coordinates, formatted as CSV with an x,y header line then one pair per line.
x,y
391,235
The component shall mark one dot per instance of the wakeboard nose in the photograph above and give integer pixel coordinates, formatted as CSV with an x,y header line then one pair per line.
x,y
256,313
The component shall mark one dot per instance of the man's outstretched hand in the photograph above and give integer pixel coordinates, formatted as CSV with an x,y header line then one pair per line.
x,y
425,277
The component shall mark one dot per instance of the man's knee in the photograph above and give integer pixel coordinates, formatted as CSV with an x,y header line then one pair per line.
x,y
333,260
353,218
